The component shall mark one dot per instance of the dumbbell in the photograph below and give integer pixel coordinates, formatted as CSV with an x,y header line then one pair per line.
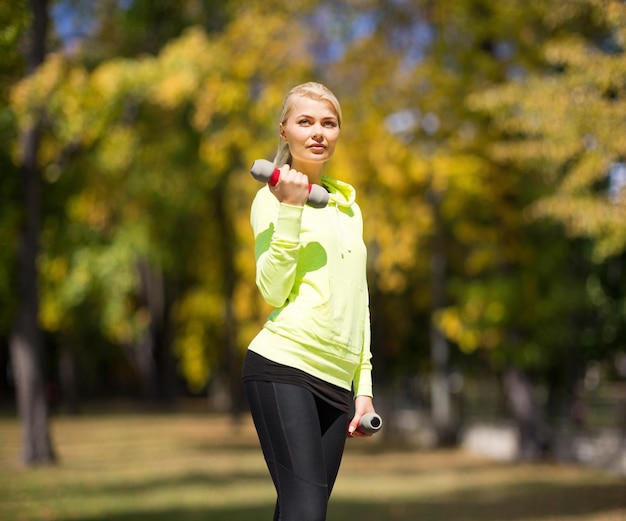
x,y
370,423
264,171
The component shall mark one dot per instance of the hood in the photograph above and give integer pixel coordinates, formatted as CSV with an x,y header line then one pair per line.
x,y
341,193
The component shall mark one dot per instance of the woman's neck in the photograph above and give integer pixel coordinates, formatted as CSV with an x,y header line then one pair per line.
x,y
312,170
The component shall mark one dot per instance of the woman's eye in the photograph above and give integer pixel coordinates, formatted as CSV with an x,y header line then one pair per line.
x,y
303,122
330,124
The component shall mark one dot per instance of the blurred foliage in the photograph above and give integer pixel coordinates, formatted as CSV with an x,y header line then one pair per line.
x,y
13,22
560,125
566,124
490,116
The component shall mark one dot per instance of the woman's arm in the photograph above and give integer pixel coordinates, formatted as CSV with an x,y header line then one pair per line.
x,y
276,229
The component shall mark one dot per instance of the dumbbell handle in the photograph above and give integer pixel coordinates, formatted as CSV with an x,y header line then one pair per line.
x,y
264,171
370,423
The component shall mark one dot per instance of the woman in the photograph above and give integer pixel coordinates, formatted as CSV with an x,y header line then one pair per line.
x,y
313,352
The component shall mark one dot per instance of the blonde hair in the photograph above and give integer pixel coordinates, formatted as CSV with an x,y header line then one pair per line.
x,y
312,90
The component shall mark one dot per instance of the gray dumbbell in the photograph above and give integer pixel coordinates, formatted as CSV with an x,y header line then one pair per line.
x,y
370,423
264,171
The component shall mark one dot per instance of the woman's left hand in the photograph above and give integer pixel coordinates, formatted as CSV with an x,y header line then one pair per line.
x,y
362,405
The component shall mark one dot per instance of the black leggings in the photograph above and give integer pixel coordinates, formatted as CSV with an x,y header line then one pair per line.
x,y
302,438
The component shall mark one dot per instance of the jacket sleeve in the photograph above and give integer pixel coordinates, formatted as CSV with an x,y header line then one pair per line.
x,y
276,228
362,381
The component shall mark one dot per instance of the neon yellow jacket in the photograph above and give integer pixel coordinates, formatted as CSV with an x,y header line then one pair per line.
x,y
311,266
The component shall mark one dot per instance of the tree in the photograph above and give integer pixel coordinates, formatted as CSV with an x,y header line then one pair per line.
x,y
428,155
501,294
553,126
581,143
148,157
26,340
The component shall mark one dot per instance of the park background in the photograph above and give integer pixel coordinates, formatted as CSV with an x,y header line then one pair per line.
x,y
487,144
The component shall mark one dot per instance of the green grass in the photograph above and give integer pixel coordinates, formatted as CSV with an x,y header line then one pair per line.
x,y
192,467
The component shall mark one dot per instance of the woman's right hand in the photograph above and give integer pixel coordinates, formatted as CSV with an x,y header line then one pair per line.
x,y
292,187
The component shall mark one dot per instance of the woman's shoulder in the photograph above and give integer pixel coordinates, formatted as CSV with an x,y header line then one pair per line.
x,y
265,197
264,205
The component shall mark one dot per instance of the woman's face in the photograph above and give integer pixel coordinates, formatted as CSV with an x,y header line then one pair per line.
x,y
311,131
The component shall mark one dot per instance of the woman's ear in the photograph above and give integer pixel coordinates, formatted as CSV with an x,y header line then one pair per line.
x,y
281,132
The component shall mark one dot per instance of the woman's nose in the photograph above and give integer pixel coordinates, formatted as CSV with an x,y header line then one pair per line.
x,y
316,131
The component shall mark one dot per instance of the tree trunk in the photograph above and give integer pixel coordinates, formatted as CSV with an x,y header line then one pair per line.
x,y
26,342
439,350
151,297
68,375
519,392
153,355
230,360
